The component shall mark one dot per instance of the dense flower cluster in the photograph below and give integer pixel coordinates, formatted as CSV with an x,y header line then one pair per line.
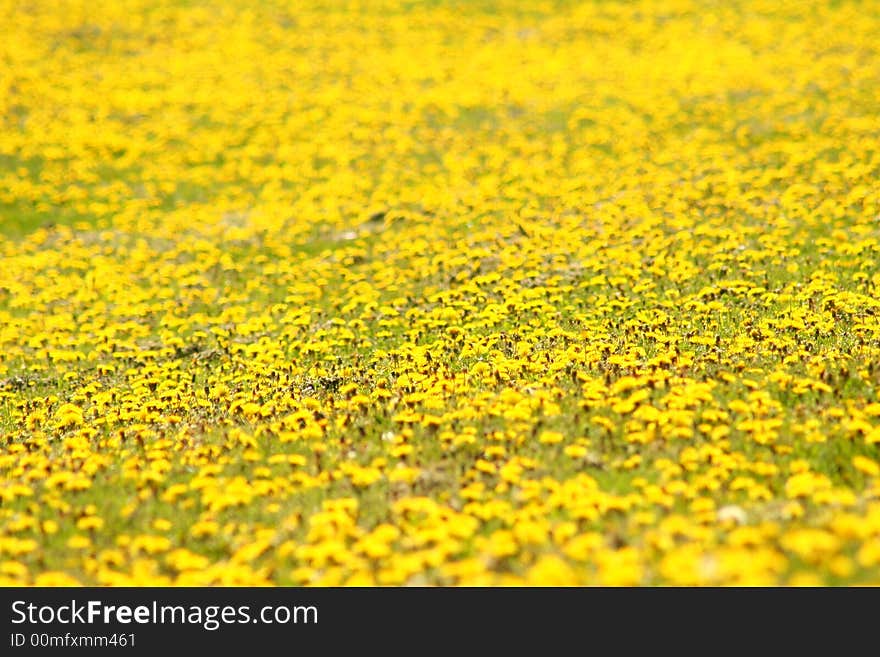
x,y
399,292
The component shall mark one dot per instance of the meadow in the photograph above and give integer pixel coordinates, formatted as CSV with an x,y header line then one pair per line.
x,y
439,293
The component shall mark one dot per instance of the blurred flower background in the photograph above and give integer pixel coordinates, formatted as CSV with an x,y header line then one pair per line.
x,y
398,292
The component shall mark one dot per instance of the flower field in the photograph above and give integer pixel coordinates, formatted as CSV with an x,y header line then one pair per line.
x,y
455,293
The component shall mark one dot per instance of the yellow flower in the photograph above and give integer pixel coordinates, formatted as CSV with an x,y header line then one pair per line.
x,y
79,542
550,437
90,523
866,465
